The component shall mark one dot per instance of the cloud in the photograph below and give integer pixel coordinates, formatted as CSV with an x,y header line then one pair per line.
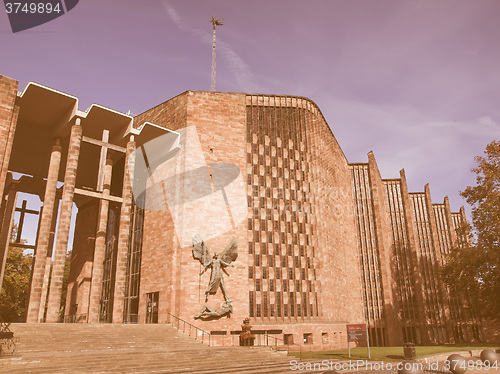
x,y
431,150
239,69
483,126
174,16
488,123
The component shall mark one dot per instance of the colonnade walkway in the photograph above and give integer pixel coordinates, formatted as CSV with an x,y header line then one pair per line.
x,y
127,349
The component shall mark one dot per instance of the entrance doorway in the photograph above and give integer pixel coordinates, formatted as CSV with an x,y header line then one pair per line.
x,y
152,307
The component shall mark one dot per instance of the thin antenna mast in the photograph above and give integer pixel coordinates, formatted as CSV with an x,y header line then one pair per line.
x,y
215,22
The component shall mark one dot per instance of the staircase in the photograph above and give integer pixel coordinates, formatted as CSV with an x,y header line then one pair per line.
x,y
122,349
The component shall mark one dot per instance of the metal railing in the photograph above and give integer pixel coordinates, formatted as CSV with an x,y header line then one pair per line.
x,y
7,340
177,324
261,340
75,318
287,344
131,318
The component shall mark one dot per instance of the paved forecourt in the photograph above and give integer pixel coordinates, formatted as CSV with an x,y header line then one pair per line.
x,y
107,348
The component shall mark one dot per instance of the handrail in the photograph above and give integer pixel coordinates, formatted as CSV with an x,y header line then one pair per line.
x,y
75,318
7,340
179,320
287,344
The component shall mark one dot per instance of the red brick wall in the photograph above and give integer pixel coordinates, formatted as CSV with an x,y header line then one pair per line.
x,y
336,249
219,120
159,243
8,119
384,244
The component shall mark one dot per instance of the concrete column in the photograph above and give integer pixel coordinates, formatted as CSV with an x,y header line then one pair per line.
x,y
48,262
100,247
416,273
433,224
40,261
10,207
124,232
3,205
449,219
8,120
64,223
384,243
443,292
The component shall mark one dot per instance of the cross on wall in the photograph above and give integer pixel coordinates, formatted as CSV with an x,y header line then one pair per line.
x,y
23,210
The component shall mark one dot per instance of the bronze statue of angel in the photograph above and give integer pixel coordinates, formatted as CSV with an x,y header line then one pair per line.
x,y
216,264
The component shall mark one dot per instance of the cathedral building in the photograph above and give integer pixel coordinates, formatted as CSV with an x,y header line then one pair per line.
x,y
306,241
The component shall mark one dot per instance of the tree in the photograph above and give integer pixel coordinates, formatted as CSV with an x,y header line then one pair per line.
x,y
475,268
15,287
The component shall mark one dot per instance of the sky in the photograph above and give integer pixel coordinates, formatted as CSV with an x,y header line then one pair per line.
x,y
417,82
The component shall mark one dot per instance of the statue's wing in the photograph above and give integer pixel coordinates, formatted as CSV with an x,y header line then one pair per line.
x,y
230,253
200,250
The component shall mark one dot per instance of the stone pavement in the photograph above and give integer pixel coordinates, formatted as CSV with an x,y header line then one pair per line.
x,y
433,364
127,349
142,349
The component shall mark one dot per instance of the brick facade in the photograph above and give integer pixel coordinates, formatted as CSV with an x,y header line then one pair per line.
x,y
321,242
8,121
168,268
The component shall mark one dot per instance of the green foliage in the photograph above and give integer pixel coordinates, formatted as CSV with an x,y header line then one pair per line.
x,y
476,267
15,287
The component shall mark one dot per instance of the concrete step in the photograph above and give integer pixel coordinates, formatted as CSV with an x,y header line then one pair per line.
x,y
130,349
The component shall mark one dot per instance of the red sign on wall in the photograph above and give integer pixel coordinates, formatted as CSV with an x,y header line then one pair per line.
x,y
356,333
